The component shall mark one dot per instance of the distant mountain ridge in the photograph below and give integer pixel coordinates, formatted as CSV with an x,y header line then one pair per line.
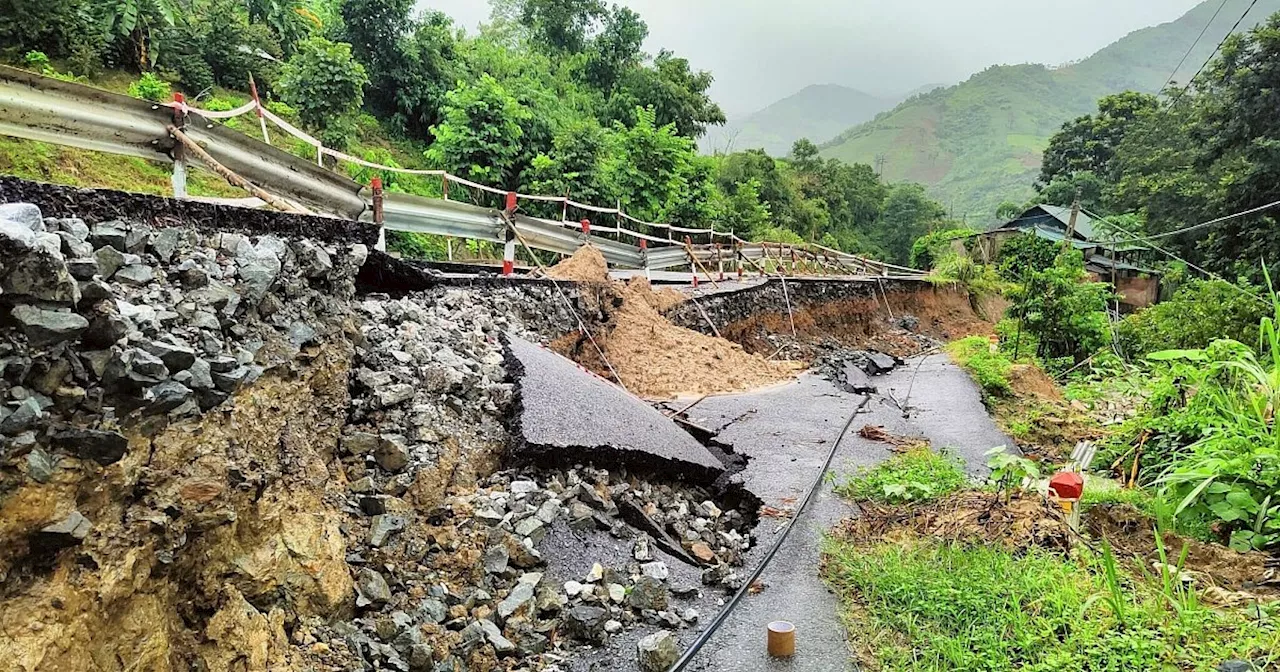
x,y
980,142
818,112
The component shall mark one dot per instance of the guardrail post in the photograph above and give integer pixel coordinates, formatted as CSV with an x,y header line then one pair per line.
x,y
257,108
509,249
644,257
376,186
179,177
719,262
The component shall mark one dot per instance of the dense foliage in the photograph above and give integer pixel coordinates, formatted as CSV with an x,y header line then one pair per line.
x,y
549,97
1062,309
1189,157
1200,312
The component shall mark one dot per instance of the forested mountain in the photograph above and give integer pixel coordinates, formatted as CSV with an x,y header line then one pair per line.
x,y
818,112
980,142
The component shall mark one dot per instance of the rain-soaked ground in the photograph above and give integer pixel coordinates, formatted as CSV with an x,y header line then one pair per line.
x,y
786,433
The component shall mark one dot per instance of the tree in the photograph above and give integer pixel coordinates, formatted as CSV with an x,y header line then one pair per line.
x,y
647,166
745,213
140,24
677,95
1088,143
908,214
616,49
426,68
326,86
1063,309
1008,210
479,136
561,26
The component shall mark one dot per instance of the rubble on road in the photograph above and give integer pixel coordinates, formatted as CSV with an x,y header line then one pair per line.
x,y
467,582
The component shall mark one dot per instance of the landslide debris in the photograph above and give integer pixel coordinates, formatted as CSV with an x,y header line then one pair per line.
x,y
171,399
653,357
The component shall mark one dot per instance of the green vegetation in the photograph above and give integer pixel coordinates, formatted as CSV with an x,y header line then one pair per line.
x,y
549,97
918,475
1200,312
942,606
979,143
984,360
1062,309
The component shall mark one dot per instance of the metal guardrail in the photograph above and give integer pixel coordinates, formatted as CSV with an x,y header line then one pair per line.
x,y
67,113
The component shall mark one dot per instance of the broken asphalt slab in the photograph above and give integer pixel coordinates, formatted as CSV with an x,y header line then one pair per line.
x,y
567,415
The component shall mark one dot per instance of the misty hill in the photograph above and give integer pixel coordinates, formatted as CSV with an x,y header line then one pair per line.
x,y
980,142
817,112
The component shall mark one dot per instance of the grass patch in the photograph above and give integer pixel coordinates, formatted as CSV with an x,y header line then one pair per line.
x,y
931,606
917,475
987,364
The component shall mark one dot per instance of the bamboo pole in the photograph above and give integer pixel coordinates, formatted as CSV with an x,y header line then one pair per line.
x,y
234,179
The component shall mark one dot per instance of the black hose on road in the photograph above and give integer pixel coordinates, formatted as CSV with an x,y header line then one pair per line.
x,y
705,636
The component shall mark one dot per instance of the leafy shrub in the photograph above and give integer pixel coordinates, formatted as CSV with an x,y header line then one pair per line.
x,y
930,247
1233,470
1023,254
417,245
1063,309
914,476
150,87
218,105
1200,312
988,365
36,60
326,86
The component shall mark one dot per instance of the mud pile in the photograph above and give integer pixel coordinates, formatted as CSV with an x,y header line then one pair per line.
x,y
653,357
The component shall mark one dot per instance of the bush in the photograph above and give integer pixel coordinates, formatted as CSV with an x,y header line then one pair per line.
x,y
915,476
1023,254
1200,312
326,86
988,365
36,60
150,87
1063,309
930,247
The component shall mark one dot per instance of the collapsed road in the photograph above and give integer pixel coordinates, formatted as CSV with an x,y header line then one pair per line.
x,y
252,443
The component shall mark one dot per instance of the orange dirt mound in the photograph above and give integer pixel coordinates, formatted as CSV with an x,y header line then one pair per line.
x,y
586,265
653,357
657,359
1031,381
659,299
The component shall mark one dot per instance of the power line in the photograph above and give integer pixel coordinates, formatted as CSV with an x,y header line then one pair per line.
x,y
1193,45
1135,237
1215,53
1209,223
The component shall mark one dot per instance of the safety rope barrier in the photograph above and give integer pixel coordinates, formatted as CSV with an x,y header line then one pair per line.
x,y
842,259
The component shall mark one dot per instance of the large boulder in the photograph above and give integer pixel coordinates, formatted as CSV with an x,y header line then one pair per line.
x,y
48,327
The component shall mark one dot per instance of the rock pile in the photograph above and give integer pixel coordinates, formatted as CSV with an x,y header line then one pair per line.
x,y
120,321
466,584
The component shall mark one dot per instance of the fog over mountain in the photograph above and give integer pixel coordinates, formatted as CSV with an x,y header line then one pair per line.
x,y
762,51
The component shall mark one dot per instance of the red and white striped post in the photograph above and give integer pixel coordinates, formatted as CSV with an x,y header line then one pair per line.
x,y
509,249
375,185
586,230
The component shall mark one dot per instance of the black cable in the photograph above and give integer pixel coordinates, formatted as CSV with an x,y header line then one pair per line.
x,y
705,636
1215,53
1193,45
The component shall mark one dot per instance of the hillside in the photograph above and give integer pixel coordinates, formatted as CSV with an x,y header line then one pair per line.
x,y
979,142
817,112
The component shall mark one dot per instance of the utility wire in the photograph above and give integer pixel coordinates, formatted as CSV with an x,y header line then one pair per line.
x,y
1215,53
1209,223
1193,45
1136,238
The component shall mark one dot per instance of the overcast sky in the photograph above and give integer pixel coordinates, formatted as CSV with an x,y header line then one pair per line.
x,y
763,50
